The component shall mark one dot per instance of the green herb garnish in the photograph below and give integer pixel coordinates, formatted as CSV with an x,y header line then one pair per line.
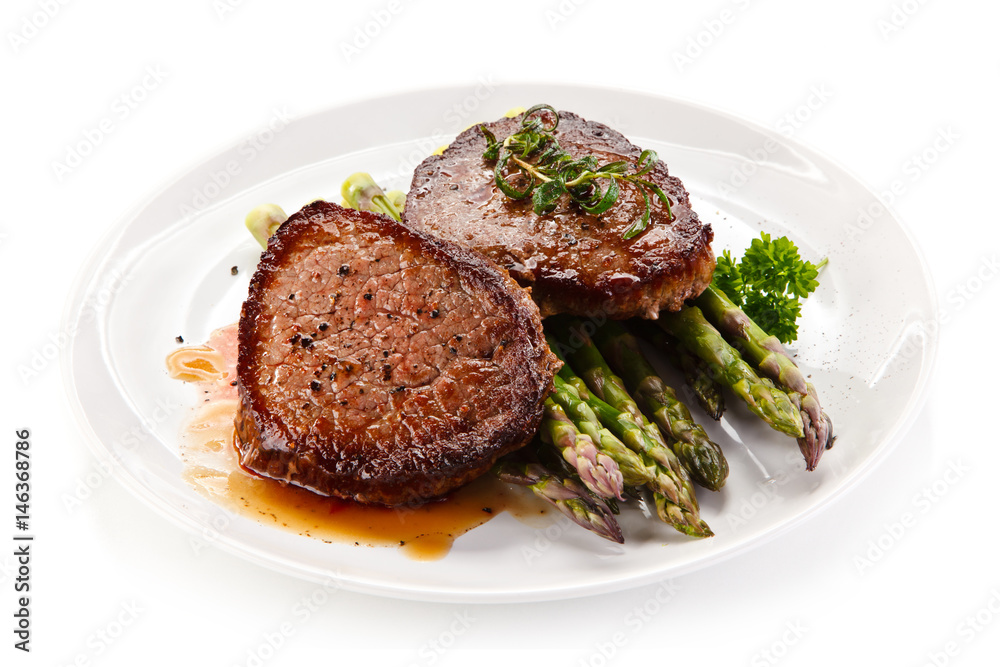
x,y
768,283
549,172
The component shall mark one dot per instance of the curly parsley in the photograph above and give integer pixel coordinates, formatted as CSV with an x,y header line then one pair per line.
x,y
768,283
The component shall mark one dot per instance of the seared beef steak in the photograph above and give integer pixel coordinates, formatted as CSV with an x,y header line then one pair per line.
x,y
574,262
380,364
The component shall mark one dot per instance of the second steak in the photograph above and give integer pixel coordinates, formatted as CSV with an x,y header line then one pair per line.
x,y
572,261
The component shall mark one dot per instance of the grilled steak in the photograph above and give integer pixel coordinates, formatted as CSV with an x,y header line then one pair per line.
x,y
379,364
574,262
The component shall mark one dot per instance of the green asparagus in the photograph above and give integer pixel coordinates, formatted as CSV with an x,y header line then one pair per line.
x,y
597,470
696,373
759,348
769,355
566,373
765,400
263,221
575,344
703,458
567,495
817,426
675,486
684,521
585,359
398,200
361,192
634,471
679,506
676,503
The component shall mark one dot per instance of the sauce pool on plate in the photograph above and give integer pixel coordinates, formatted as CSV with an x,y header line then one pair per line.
x,y
424,532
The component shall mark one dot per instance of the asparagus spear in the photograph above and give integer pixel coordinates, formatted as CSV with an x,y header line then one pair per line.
x,y
770,357
566,373
263,221
575,343
760,348
398,200
597,470
634,471
676,486
697,376
703,458
567,495
817,426
361,192
675,500
678,505
585,359
684,521
764,399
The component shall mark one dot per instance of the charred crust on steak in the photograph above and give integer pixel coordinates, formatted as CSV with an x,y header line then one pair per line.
x,y
574,262
396,417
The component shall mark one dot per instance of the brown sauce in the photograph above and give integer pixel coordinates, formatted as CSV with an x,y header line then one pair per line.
x,y
424,532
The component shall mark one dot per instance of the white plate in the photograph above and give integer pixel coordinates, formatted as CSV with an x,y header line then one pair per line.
x,y
868,333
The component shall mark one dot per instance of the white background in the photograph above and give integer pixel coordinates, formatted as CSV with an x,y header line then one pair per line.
x,y
893,76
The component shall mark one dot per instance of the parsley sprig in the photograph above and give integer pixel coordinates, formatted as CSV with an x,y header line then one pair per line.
x,y
548,172
768,283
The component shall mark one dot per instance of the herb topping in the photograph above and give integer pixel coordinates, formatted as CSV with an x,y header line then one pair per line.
x,y
549,172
